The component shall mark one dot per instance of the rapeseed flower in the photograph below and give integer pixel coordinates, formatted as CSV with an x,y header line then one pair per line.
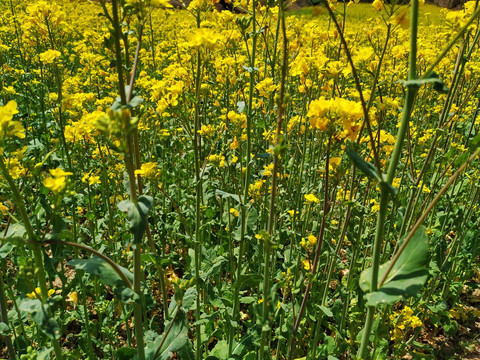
x,y
37,293
49,56
311,199
148,170
57,181
8,126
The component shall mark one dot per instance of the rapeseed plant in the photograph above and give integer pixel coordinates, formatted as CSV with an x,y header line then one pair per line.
x,y
243,129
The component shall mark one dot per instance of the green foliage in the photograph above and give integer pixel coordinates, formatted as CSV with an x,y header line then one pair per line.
x,y
406,277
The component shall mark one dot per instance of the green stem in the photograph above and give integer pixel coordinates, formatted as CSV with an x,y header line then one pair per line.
x,y
198,198
379,233
236,298
129,164
4,316
35,247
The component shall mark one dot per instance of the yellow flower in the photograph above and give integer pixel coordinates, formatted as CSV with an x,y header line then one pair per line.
x,y
91,179
265,87
375,206
207,130
3,209
378,5
303,243
334,162
72,297
234,144
234,212
307,265
148,170
160,4
204,37
292,213
217,160
49,56
310,198
267,170
37,293
57,181
8,127
312,240
400,18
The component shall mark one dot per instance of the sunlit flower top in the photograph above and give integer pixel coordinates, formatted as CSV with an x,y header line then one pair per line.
x,y
8,126
347,112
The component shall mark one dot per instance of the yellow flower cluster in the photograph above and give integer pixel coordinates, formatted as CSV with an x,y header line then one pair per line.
x,y
403,320
217,160
37,293
311,199
323,112
49,56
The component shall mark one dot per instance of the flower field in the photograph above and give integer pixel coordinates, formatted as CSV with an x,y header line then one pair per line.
x,y
247,184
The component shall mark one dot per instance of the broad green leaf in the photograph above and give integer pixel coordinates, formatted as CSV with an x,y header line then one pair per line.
x,y
189,298
39,312
5,250
98,267
406,277
220,350
365,167
247,281
16,233
245,344
44,354
176,341
252,217
4,329
125,353
137,215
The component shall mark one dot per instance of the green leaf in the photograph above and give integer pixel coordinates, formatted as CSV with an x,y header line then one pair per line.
x,y
245,344
326,311
406,277
40,314
438,84
16,233
252,217
137,215
5,250
225,195
365,167
125,353
4,329
44,354
220,350
189,298
176,341
247,281
98,267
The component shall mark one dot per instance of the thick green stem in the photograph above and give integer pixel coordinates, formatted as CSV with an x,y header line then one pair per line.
x,y
379,234
129,164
